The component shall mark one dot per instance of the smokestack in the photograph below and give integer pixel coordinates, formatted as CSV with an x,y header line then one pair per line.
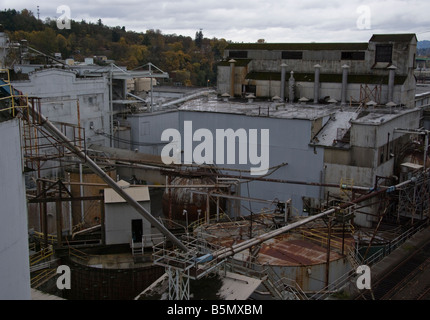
x,y
232,62
344,84
283,70
392,73
291,83
317,83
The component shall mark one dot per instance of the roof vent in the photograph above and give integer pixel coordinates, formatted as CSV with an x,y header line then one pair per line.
x,y
250,97
225,97
371,104
303,100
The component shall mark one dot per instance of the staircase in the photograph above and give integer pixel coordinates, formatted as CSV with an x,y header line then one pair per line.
x,y
279,288
41,267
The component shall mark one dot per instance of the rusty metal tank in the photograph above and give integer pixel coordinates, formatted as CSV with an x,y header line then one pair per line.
x,y
301,255
180,197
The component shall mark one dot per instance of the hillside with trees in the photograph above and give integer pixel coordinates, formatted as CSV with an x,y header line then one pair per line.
x,y
189,61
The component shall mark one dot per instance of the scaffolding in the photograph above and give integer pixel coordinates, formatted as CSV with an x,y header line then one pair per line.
x,y
370,94
40,146
414,199
195,263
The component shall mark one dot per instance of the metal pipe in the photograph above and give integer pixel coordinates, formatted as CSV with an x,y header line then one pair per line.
x,y
97,170
317,83
232,62
344,84
291,84
391,75
226,252
283,70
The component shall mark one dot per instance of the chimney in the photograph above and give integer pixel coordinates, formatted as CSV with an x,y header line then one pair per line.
x,y
344,84
317,83
283,70
291,84
392,73
232,62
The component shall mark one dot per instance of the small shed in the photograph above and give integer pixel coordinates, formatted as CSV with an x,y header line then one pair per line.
x,y
123,224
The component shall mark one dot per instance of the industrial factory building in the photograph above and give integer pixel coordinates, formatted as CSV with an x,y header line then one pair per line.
x,y
381,70
306,161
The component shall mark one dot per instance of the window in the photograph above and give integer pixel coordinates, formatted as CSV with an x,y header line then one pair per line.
x,y
296,55
383,53
352,55
238,54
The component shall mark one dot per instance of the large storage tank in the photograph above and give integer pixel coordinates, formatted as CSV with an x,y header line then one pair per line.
x,y
300,255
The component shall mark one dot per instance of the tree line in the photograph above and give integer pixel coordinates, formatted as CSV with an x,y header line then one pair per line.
x,y
188,61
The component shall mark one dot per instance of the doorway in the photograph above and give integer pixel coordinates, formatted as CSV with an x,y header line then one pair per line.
x,y
137,230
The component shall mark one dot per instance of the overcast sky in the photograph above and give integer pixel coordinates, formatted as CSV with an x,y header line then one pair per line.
x,y
250,20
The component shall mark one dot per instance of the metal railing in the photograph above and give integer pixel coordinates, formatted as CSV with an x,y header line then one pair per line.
x,y
198,256
281,288
42,277
43,254
52,238
348,277
12,96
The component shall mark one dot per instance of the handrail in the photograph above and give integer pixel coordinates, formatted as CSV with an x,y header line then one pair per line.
x,y
41,255
337,284
41,277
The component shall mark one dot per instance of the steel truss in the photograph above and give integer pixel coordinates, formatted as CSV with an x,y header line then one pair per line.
x,y
182,266
414,198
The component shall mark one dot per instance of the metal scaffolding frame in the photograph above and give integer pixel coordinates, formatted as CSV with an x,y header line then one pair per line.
x,y
414,199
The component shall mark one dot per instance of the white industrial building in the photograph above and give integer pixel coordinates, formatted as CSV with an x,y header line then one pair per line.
x,y
71,99
122,224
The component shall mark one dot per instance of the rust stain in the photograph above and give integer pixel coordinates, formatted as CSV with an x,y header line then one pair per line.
x,y
284,250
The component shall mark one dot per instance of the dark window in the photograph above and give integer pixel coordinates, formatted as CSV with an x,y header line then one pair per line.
x,y
383,53
292,55
238,54
353,55
249,88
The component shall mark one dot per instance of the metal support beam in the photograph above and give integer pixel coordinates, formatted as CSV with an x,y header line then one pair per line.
x,y
106,178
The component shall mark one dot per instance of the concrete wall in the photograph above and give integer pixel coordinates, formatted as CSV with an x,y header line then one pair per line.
x,y
118,218
146,130
373,135
14,254
289,143
60,90
267,59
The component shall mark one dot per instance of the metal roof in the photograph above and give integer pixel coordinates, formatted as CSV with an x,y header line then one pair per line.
x,y
298,46
137,193
401,37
